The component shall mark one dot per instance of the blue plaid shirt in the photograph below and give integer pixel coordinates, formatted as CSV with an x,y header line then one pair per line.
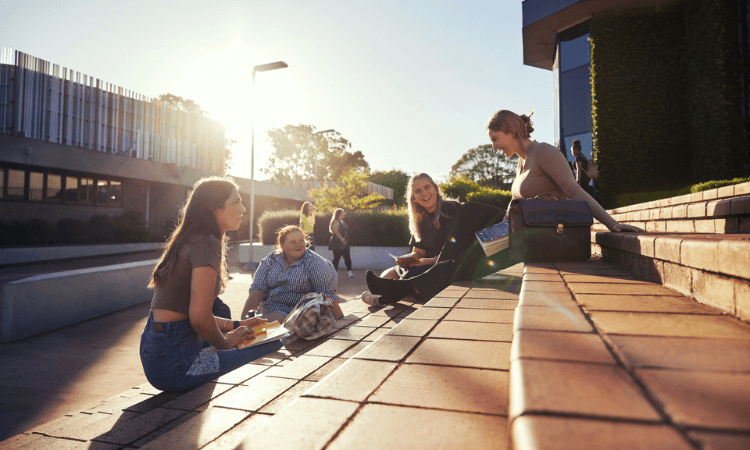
x,y
285,286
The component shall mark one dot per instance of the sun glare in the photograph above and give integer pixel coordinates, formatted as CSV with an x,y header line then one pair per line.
x,y
220,81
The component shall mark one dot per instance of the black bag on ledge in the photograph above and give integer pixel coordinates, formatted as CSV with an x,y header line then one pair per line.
x,y
549,230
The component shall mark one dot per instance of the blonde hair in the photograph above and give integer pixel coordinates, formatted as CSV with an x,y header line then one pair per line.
x,y
417,211
334,218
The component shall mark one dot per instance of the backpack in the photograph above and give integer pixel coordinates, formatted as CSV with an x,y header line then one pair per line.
x,y
593,170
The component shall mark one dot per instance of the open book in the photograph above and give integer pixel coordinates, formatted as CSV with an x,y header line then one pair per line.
x,y
263,333
495,238
405,260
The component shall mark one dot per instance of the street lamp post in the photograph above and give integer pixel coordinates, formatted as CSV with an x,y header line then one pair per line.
x,y
260,68
315,157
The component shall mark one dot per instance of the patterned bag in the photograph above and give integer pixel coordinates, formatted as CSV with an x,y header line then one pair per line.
x,y
312,317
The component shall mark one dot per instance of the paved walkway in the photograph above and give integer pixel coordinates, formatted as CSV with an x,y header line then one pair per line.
x,y
73,368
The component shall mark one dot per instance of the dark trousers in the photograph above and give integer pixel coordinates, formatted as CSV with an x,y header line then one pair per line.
x,y
337,254
461,258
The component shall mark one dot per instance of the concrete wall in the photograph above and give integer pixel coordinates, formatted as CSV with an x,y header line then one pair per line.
x,y
45,302
374,258
36,254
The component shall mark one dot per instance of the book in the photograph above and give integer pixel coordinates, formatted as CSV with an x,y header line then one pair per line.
x,y
261,334
495,238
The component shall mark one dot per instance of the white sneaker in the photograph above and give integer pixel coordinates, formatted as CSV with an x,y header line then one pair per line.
x,y
370,298
350,274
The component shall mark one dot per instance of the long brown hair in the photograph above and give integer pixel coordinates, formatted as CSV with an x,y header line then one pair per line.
x,y
417,211
197,219
334,218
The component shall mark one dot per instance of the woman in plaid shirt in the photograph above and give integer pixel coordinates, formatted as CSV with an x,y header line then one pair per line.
x,y
287,274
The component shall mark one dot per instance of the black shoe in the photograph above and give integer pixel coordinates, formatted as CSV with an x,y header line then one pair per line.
x,y
389,290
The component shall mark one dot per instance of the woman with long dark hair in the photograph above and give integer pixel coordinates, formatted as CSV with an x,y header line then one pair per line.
x,y
339,244
184,345
542,169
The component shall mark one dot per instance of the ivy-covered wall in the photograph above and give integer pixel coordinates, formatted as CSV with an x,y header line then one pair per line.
x,y
666,96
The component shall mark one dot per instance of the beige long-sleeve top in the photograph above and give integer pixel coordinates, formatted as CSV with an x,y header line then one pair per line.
x,y
545,171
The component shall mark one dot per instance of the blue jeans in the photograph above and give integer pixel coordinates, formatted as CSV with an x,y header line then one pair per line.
x,y
176,359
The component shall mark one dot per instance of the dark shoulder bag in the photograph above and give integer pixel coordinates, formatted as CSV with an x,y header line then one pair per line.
x,y
549,230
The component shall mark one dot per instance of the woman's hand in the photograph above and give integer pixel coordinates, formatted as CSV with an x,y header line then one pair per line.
x,y
622,227
238,335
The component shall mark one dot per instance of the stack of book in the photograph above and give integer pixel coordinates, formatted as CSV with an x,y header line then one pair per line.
x,y
495,238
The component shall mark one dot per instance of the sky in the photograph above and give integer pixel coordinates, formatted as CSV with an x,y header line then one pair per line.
x,y
411,84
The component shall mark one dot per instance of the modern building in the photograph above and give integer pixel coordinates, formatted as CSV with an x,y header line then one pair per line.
x,y
72,146
657,89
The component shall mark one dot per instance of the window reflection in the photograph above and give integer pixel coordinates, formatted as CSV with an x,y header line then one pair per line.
x,y
86,191
115,192
36,186
15,184
574,52
71,190
54,188
101,192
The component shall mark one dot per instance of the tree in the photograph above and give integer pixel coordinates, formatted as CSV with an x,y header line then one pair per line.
x,y
181,104
296,149
347,194
394,179
486,166
229,142
458,187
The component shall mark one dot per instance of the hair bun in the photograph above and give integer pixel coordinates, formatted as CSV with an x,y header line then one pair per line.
x,y
528,123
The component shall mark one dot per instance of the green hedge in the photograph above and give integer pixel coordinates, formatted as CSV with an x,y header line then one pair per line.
x,y
129,227
494,197
459,187
376,229
643,197
666,97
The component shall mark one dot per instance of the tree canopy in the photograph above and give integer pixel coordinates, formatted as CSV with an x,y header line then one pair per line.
x,y
296,147
486,166
345,193
394,179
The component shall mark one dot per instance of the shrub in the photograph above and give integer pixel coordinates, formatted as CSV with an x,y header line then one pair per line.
x,y
378,229
635,198
494,197
459,187
71,231
706,185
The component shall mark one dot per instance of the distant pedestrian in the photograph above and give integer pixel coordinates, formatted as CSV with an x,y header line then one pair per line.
x,y
339,244
581,167
184,345
307,223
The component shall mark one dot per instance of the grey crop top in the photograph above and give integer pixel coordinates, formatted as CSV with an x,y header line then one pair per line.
x,y
173,294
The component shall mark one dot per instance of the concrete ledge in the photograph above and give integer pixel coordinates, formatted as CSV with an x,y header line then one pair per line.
x,y
375,258
37,254
45,302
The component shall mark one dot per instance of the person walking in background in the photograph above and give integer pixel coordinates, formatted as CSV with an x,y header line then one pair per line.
x,y
581,167
183,344
307,223
339,244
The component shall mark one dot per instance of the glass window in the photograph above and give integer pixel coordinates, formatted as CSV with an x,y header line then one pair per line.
x,y
71,190
575,101
587,145
36,186
15,184
574,52
86,191
115,192
2,181
54,188
101,192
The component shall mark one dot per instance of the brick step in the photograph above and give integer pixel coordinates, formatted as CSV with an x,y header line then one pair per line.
x,y
713,269
602,359
725,210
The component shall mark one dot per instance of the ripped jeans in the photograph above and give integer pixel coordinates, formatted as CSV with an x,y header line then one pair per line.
x,y
176,359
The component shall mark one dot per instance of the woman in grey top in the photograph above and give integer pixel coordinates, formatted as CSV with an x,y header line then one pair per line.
x,y
184,345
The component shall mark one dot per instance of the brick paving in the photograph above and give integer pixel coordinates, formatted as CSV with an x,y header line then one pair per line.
x,y
579,355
